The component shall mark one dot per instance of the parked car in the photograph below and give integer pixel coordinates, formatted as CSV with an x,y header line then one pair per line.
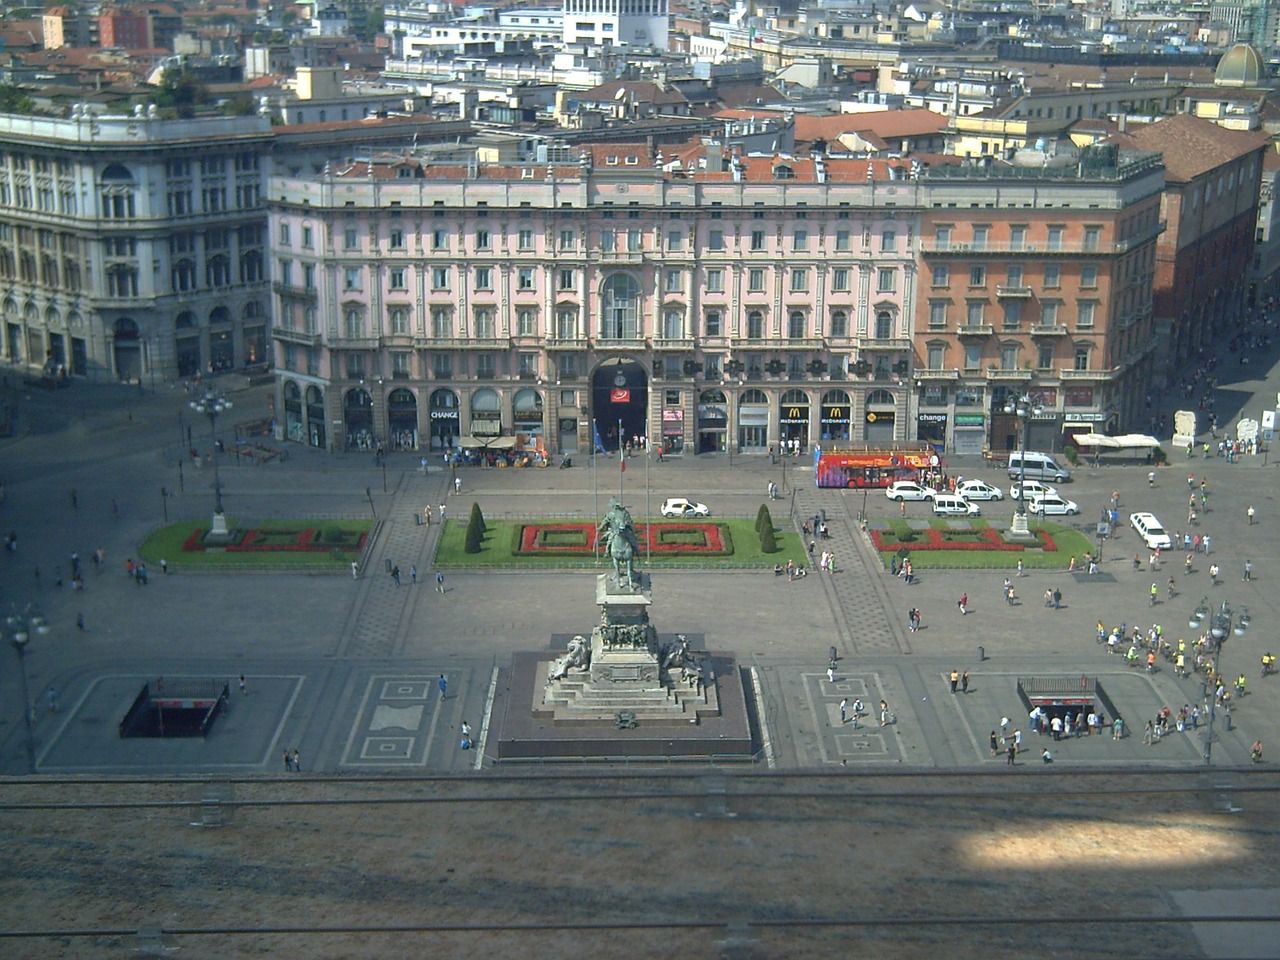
x,y
979,490
681,507
952,505
1151,531
909,490
1050,504
1032,488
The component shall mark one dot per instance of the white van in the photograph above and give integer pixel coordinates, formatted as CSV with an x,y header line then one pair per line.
x,y
1038,466
951,505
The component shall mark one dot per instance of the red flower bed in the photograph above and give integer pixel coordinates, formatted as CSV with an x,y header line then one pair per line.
x,y
934,539
270,541
704,538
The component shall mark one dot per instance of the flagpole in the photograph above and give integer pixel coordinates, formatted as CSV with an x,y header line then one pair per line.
x,y
622,463
648,516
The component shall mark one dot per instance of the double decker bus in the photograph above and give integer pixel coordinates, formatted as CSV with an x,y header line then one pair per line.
x,y
868,466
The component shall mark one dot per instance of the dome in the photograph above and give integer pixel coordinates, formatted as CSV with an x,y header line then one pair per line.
x,y
1241,66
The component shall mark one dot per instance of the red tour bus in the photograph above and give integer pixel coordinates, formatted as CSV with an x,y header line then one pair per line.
x,y
854,466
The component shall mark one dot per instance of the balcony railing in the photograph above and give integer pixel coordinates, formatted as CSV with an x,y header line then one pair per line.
x,y
1067,374
354,343
1011,293
1048,330
927,374
292,290
566,343
620,343
302,339
1009,374
886,343
673,343
975,330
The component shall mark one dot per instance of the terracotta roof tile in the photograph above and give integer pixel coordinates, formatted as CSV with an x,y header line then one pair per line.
x,y
1191,146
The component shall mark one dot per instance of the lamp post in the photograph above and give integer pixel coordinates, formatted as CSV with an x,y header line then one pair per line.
x,y
1024,408
20,627
211,405
1221,622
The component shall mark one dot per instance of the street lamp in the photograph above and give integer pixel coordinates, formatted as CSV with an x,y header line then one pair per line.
x,y
212,404
1221,623
20,627
1024,408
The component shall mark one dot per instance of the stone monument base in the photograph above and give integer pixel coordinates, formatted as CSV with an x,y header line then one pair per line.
x,y
711,725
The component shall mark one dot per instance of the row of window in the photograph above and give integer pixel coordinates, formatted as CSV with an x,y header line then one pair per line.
x,y
1010,357
567,324
217,272
24,268
1012,313
1015,275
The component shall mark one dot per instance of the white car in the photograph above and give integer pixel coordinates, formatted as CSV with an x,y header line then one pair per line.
x,y
680,507
978,490
1032,488
1151,531
1052,505
909,490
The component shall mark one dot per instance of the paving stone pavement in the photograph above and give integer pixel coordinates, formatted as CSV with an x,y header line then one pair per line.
x,y
856,591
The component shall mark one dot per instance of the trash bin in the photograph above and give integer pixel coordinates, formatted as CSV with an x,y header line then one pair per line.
x,y
388,563
982,654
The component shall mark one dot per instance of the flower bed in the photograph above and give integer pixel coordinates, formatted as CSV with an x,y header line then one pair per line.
x,y
660,539
283,540
986,538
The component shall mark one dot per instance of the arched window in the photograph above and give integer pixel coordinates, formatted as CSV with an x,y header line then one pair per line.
x,y
673,324
399,317
527,402
184,276
796,325
792,397
352,324
755,325
218,271
839,323
753,396
884,325
125,329
836,398
711,396
880,397
251,267
219,315
485,401
620,314
253,310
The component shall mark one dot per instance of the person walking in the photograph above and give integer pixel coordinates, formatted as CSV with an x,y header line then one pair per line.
x,y
1057,599
457,485
413,573
440,582
395,574
844,711
442,514
443,684
1251,514
244,685
831,673
1011,752
964,682
355,570
955,680
1213,574
1020,568
288,761
1248,570
995,743
964,604
297,761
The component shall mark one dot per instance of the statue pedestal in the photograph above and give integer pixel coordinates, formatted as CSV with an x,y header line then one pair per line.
x,y
626,671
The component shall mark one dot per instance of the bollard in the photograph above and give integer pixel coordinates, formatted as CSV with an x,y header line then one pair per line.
x,y
982,654
1227,718
388,563
833,654
417,519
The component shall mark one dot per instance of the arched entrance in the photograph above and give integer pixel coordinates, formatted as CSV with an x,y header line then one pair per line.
x,y
127,350
793,418
402,419
486,415
186,330
620,401
753,421
835,416
445,413
293,412
527,419
315,417
713,421
357,416
880,417
222,349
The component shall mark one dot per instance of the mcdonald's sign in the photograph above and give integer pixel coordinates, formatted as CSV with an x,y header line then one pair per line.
x,y
835,414
794,415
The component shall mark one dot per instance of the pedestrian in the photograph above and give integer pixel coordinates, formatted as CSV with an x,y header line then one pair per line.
x,y
1004,728
457,484
1248,570
128,569
1204,542
1045,755
995,743
1011,751
443,684
288,761
1057,599
297,761
1155,594
964,682
1213,574
1151,478
964,604
355,570
395,574
413,573
884,713
955,680
1020,568
1055,725
844,711
831,674
440,582
442,513
244,685
1251,513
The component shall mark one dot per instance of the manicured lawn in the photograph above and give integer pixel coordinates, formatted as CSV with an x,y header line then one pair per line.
x,y
976,546
339,540
498,546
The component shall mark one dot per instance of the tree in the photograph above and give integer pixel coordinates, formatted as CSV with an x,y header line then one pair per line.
x,y
179,92
477,517
475,530
768,542
763,518
14,100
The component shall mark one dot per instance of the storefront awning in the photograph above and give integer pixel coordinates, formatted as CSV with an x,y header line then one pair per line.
x,y
468,442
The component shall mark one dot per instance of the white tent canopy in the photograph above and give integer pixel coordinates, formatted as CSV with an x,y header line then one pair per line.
x,y
1128,441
